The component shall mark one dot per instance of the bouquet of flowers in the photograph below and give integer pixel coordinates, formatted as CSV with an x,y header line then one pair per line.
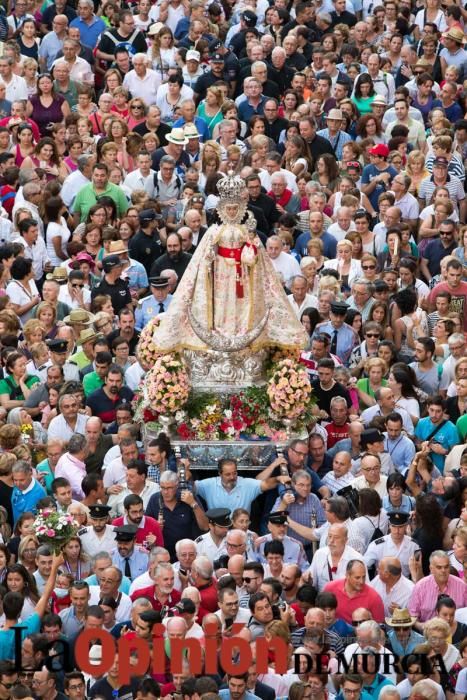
x,y
167,385
289,390
146,350
54,529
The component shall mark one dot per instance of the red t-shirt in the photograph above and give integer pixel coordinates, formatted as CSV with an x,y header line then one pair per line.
x,y
336,433
149,593
458,298
208,595
150,526
368,598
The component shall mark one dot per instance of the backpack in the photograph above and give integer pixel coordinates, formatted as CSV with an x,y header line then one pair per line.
x,y
377,532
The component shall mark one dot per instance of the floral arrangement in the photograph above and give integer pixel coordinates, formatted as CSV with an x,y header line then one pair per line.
x,y
167,385
289,390
27,432
54,529
146,350
278,354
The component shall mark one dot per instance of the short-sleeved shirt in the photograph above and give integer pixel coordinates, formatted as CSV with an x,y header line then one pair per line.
x,y
369,173
32,625
86,198
216,496
458,298
8,386
447,436
103,407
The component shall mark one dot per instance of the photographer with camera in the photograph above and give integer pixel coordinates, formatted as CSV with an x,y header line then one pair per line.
x,y
302,505
294,552
182,515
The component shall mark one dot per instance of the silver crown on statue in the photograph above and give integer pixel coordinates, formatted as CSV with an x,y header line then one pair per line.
x,y
231,188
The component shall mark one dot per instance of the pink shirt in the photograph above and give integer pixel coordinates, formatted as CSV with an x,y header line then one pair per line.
x,y
424,596
74,470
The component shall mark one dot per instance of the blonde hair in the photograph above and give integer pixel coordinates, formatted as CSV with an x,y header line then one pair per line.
x,y
376,362
32,325
438,624
330,284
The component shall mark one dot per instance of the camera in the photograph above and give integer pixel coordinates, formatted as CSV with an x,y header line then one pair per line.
x,y
351,496
222,562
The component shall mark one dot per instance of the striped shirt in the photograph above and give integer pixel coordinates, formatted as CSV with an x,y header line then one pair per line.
x,y
455,167
336,483
426,593
453,185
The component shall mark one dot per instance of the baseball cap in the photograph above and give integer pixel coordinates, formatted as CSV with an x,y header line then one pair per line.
x,y
379,150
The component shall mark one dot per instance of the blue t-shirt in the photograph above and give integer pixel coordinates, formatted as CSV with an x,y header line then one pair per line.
x,y
447,436
7,637
216,496
369,173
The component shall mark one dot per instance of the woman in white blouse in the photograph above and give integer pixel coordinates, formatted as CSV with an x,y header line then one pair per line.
x,y
347,267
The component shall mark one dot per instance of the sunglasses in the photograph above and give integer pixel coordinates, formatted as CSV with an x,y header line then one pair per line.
x,y
356,623
77,286
372,335
368,267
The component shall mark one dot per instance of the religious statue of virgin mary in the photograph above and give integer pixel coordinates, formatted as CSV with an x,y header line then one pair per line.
x,y
230,297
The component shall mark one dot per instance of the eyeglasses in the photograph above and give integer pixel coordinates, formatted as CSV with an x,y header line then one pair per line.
x,y
446,233
77,286
372,335
371,469
356,623
368,267
76,687
236,546
249,579
8,685
297,452
136,106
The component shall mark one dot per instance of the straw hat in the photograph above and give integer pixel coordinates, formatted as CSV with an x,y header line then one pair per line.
x,y
59,274
117,248
177,136
456,34
86,335
400,618
79,316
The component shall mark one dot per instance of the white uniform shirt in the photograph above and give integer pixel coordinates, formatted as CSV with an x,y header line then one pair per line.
x,y
93,544
206,545
386,547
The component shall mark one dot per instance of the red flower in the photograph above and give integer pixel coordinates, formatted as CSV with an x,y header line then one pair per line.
x,y
149,415
184,431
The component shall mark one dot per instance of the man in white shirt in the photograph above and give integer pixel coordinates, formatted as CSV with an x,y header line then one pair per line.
x,y
76,180
330,562
283,263
16,88
299,299
69,421
230,610
80,70
143,177
34,247
393,587
142,81
343,224
73,293
371,477
136,483
116,471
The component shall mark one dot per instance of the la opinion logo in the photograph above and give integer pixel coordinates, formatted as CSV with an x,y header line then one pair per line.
x,y
136,657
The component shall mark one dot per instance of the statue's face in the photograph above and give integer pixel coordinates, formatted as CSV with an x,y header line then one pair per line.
x,y
232,211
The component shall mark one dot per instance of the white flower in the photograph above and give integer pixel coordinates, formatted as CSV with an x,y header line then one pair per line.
x,y
228,414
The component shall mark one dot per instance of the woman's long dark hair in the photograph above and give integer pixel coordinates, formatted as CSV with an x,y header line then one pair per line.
x,y
30,585
406,377
428,515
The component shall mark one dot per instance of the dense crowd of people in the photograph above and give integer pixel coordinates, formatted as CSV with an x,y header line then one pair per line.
x,y
346,121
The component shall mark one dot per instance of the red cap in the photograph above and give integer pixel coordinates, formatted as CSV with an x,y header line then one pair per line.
x,y
379,150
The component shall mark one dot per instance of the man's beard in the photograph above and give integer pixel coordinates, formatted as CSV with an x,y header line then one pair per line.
x,y
175,256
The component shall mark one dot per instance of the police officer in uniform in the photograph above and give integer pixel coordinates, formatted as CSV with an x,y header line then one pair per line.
x,y
212,544
132,561
293,549
99,537
59,352
146,245
157,303
395,544
112,284
343,337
